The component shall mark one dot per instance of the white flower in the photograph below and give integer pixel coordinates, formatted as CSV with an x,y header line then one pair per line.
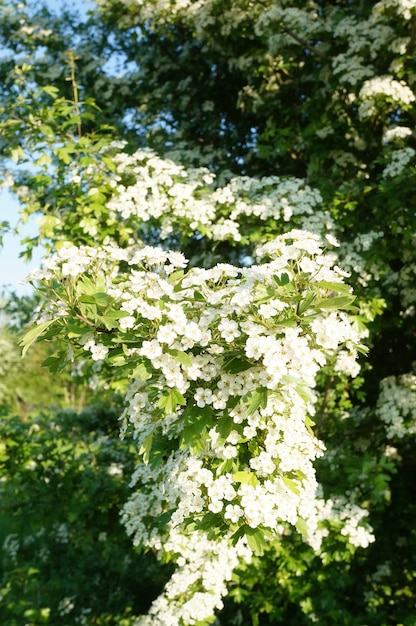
x,y
331,240
151,349
127,322
400,159
203,397
98,352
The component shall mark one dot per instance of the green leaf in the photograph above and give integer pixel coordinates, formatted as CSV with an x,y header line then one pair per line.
x,y
256,540
291,484
255,399
110,318
33,334
246,478
54,363
282,280
87,299
17,154
362,349
240,532
75,330
306,302
337,302
176,277
117,360
181,356
235,362
146,448
224,426
170,400
337,287
141,372
86,286
50,90
100,299
164,519
299,386
302,527
196,420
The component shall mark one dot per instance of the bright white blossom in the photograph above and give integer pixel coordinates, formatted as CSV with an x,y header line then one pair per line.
x,y
225,378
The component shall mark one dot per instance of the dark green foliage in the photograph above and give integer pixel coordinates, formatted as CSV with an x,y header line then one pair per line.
x,y
63,482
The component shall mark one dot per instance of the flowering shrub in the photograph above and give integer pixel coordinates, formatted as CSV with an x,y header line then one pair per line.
x,y
222,364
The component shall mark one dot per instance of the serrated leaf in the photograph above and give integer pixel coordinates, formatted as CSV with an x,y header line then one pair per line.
x,y
196,421
33,334
74,329
225,466
17,154
100,299
224,426
176,277
86,286
53,363
256,540
303,392
170,400
255,399
289,322
164,519
50,90
85,299
239,533
117,360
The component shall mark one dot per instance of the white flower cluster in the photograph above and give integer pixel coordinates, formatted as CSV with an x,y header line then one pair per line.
x,y
340,511
11,547
305,22
396,405
386,89
405,8
352,257
185,199
221,399
160,10
361,39
364,39
62,533
400,160
403,281
201,563
383,570
65,606
70,260
396,133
